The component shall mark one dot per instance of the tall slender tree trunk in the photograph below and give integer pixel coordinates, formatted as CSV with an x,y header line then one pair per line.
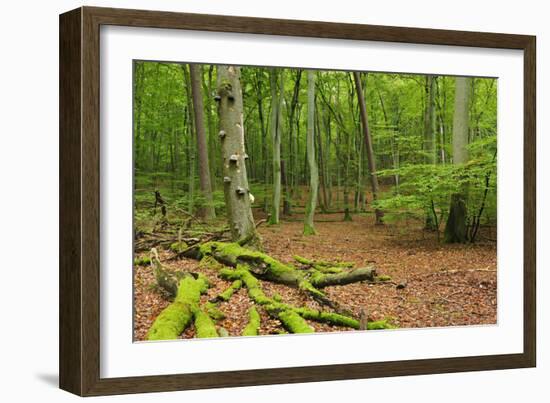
x,y
207,211
212,139
429,142
191,145
264,164
236,190
455,229
276,142
323,199
293,140
309,228
368,143
328,160
138,98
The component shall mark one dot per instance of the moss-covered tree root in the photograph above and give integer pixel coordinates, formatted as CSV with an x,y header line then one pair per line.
x,y
173,320
211,307
292,317
249,266
253,326
290,320
267,268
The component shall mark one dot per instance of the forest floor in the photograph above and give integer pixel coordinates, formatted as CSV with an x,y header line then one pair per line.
x,y
444,285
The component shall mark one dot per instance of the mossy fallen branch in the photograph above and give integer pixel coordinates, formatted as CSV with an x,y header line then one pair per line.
x,y
211,307
267,268
175,318
229,291
253,326
290,320
249,266
323,266
204,326
213,311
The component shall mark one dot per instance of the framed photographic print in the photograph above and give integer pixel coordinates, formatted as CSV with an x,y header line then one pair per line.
x,y
249,201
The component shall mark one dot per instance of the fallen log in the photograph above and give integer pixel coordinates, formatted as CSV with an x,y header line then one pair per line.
x,y
267,268
322,280
244,267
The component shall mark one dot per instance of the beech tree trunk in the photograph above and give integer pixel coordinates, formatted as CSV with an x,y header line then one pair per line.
x,y
429,140
276,98
207,211
190,144
309,228
236,190
455,229
368,143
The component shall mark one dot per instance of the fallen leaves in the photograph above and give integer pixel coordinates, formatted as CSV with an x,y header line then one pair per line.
x,y
446,285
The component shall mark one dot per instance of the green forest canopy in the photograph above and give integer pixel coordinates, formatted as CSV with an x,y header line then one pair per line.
x,y
410,121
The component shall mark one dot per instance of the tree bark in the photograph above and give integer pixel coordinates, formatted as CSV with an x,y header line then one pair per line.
x,y
455,229
309,228
236,190
368,143
429,141
207,211
276,142
190,145
173,320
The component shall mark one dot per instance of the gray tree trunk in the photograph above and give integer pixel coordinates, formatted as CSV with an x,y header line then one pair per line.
x,y
207,211
309,228
190,144
455,229
275,128
429,141
368,143
236,190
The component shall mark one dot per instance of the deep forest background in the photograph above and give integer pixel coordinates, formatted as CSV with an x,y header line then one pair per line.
x,y
410,119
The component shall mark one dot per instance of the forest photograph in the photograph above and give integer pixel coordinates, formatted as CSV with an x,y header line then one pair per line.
x,y
277,201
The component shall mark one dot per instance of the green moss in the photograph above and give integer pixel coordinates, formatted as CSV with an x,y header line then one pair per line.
x,y
328,317
323,267
178,247
253,326
228,293
142,261
309,230
230,274
233,254
383,277
277,297
209,262
292,318
171,322
302,260
204,326
293,322
305,285
380,325
213,310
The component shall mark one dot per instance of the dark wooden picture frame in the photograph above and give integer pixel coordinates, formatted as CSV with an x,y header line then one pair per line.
x,y
79,347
